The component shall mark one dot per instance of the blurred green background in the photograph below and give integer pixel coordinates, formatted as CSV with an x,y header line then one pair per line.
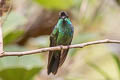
x,y
29,24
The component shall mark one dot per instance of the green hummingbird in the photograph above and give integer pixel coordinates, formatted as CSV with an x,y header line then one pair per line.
x,y
62,34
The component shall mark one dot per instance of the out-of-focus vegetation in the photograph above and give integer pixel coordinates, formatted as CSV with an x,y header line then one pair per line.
x,y
29,24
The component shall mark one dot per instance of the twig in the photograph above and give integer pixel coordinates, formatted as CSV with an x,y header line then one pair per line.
x,y
82,45
1,38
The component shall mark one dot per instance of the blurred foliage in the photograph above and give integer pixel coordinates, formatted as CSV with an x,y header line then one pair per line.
x,y
56,4
98,69
117,60
102,72
19,68
91,22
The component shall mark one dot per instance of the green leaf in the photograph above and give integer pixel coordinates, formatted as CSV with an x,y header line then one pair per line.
x,y
18,73
56,4
12,36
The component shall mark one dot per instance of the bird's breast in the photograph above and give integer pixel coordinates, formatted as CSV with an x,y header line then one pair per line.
x,y
65,36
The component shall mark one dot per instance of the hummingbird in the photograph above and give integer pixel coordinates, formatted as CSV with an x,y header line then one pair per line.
x,y
62,34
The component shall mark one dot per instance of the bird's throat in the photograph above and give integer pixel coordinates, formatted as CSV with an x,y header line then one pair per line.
x,y
64,22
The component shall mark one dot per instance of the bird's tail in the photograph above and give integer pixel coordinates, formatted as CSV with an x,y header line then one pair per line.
x,y
54,63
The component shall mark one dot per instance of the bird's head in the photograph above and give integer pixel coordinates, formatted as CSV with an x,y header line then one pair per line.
x,y
63,15
63,18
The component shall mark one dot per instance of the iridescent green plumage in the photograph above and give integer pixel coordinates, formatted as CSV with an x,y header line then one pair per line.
x,y
61,35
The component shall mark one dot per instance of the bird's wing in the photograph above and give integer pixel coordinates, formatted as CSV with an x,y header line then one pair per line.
x,y
52,43
53,39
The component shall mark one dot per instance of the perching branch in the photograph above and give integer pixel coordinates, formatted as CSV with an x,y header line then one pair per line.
x,y
82,45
